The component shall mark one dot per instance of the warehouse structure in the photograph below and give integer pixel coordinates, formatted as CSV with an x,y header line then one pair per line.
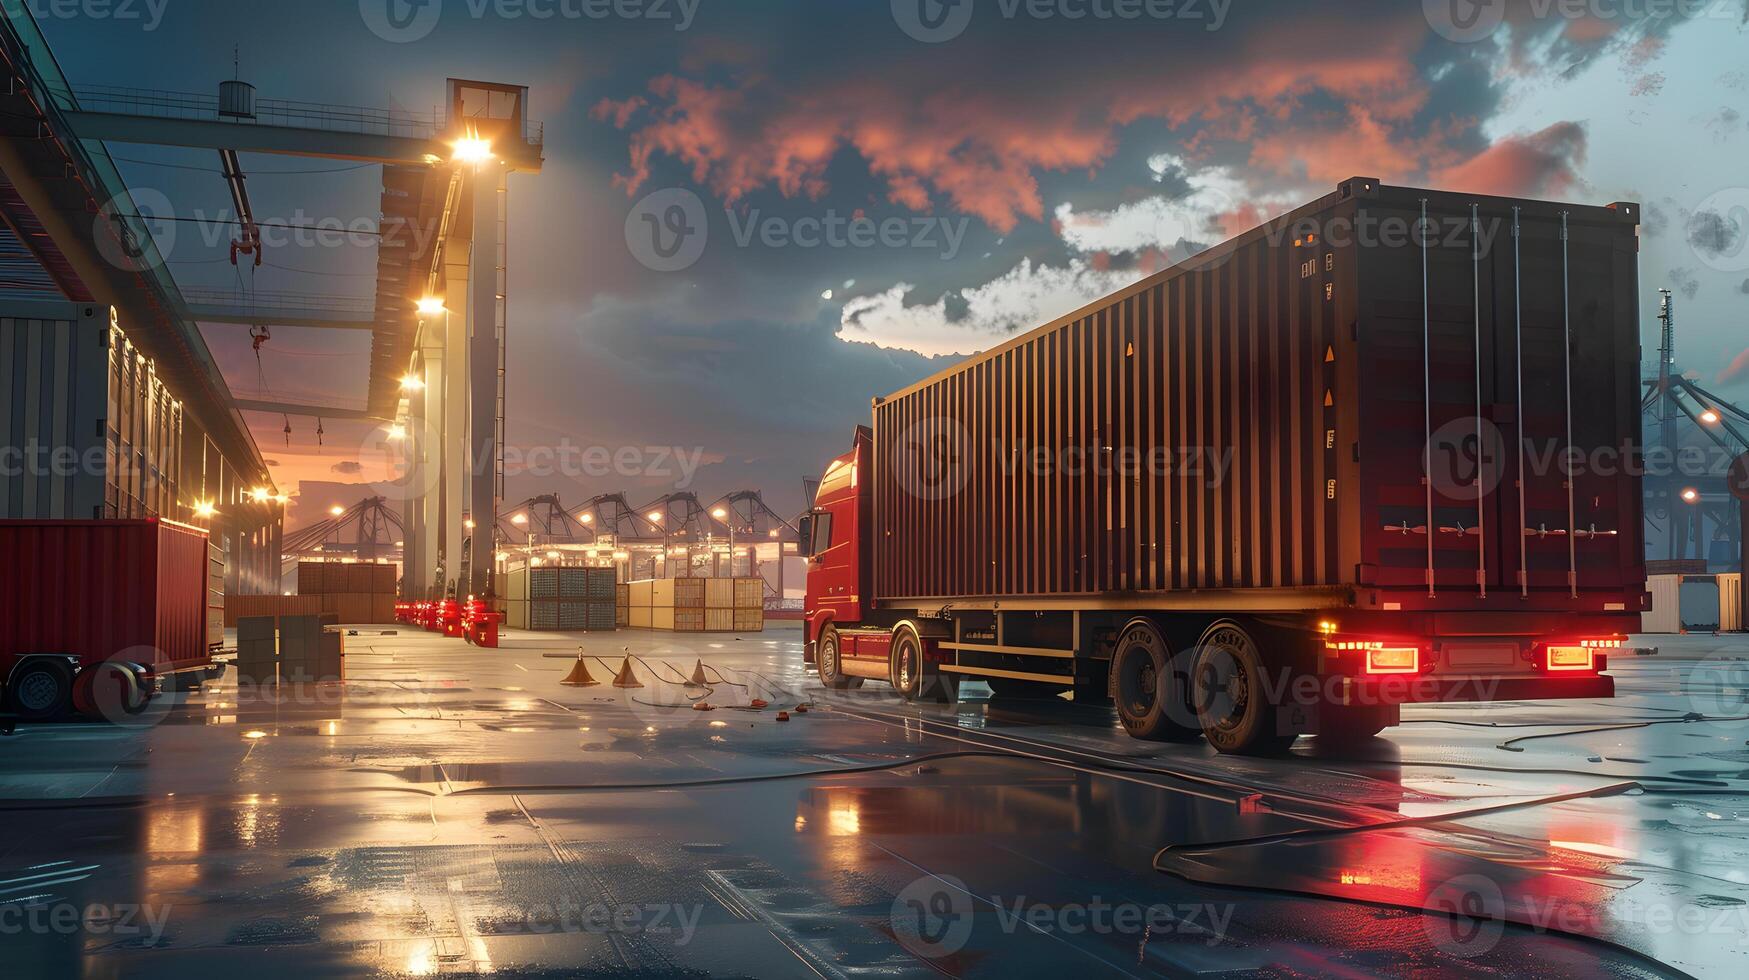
x,y
110,403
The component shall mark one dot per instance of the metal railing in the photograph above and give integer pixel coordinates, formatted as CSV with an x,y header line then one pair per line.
x,y
162,104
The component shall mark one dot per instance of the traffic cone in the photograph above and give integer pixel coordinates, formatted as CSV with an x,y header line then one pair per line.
x,y
579,675
698,675
783,716
801,709
759,704
625,677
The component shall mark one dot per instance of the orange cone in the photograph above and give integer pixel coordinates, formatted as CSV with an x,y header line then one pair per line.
x,y
698,675
801,709
625,677
759,704
579,675
783,716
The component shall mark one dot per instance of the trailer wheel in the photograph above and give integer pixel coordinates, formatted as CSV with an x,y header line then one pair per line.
x,y
827,660
912,677
1148,702
1351,723
1232,694
39,689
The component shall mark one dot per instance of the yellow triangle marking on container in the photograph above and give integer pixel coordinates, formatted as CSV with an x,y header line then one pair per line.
x,y
1328,399
1329,354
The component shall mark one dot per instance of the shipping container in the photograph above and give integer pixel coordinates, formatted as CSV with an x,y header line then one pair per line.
x,y
100,435
643,617
84,591
749,620
239,606
689,593
750,593
1358,407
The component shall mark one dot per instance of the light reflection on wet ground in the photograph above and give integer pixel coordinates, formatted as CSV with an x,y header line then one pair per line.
x,y
454,810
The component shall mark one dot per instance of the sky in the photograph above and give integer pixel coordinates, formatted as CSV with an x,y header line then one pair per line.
x,y
883,187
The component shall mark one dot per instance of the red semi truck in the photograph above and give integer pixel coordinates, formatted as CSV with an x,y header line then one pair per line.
x,y
121,602
1380,450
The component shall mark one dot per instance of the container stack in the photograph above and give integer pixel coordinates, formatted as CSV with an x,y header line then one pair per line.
x,y
567,599
357,592
622,604
696,605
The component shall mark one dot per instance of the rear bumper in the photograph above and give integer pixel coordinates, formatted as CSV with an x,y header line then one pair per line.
x,y
1428,689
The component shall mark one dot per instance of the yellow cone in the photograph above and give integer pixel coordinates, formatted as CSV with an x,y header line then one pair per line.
x,y
625,677
579,675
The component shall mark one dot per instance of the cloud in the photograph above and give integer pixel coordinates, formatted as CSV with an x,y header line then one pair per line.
x,y
1527,165
1685,281
347,467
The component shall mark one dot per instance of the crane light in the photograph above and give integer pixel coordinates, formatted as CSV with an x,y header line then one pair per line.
x,y
519,519
204,509
1710,417
655,516
1690,494
336,510
719,513
411,382
587,518
472,149
259,495
430,305
397,432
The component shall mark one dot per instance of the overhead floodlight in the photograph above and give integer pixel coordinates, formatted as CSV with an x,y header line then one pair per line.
x,y
1710,417
412,382
430,305
336,510
472,149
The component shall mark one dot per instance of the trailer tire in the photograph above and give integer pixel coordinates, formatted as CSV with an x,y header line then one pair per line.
x,y
827,660
1355,723
1231,694
1147,700
911,676
40,688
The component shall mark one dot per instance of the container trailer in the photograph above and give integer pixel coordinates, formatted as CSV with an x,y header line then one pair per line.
x,y
1382,449
76,594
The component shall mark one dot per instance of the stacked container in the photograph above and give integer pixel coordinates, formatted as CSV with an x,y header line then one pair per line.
x,y
696,605
357,592
568,599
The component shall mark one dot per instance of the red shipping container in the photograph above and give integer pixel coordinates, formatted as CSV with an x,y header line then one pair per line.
x,y
131,590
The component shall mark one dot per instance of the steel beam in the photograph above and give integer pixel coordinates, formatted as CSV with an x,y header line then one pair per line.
x,y
320,411
212,134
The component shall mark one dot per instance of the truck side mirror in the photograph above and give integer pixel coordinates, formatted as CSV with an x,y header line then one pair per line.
x,y
805,529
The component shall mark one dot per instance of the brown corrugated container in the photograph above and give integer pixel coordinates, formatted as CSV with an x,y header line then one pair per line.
x,y
719,620
749,620
750,592
719,593
688,620
622,616
270,605
689,593
1260,415
312,577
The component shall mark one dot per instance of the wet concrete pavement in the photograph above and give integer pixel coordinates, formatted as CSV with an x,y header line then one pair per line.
x,y
450,810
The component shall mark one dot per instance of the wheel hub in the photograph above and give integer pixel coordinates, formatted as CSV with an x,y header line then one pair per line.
x,y
37,692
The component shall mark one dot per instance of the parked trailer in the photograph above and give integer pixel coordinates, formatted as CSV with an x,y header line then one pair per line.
x,y
1284,487
76,594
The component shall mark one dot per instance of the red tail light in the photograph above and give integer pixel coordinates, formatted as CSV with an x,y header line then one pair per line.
x,y
1393,660
1577,656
